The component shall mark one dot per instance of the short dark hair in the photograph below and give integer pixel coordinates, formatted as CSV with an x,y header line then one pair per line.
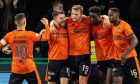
x,y
57,12
55,2
95,9
19,16
115,10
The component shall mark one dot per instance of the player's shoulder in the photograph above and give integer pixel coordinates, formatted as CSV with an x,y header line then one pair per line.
x,y
32,33
86,19
11,33
124,22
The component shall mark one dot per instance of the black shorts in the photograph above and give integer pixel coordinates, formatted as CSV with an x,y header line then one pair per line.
x,y
103,65
58,69
129,71
79,66
31,78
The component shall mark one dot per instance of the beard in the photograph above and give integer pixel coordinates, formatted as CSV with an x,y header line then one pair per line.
x,y
94,21
62,24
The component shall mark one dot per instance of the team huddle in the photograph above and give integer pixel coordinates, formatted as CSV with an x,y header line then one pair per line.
x,y
69,48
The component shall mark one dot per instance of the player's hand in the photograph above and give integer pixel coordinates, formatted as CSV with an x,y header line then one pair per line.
x,y
37,49
123,59
6,50
52,27
106,21
1,4
44,21
42,31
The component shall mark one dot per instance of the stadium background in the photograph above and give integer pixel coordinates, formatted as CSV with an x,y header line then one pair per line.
x,y
36,9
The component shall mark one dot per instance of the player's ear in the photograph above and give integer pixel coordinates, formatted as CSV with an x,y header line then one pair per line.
x,y
117,14
24,22
16,22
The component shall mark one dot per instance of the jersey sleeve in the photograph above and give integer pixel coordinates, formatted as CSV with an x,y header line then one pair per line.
x,y
44,37
34,36
127,29
46,34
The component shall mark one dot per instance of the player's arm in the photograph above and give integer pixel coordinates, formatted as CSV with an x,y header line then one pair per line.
x,y
44,34
0,45
6,48
4,41
133,42
40,37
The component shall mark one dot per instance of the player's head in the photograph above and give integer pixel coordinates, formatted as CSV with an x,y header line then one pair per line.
x,y
77,12
59,17
57,5
94,13
20,20
113,14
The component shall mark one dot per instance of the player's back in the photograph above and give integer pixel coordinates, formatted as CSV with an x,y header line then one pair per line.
x,y
21,43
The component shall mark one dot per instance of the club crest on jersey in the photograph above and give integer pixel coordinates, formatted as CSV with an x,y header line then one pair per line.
x,y
119,30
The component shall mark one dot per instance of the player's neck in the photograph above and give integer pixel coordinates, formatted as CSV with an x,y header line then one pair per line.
x,y
57,25
20,28
79,20
116,22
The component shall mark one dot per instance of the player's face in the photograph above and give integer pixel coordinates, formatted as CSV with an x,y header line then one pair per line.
x,y
60,19
94,16
76,15
112,16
